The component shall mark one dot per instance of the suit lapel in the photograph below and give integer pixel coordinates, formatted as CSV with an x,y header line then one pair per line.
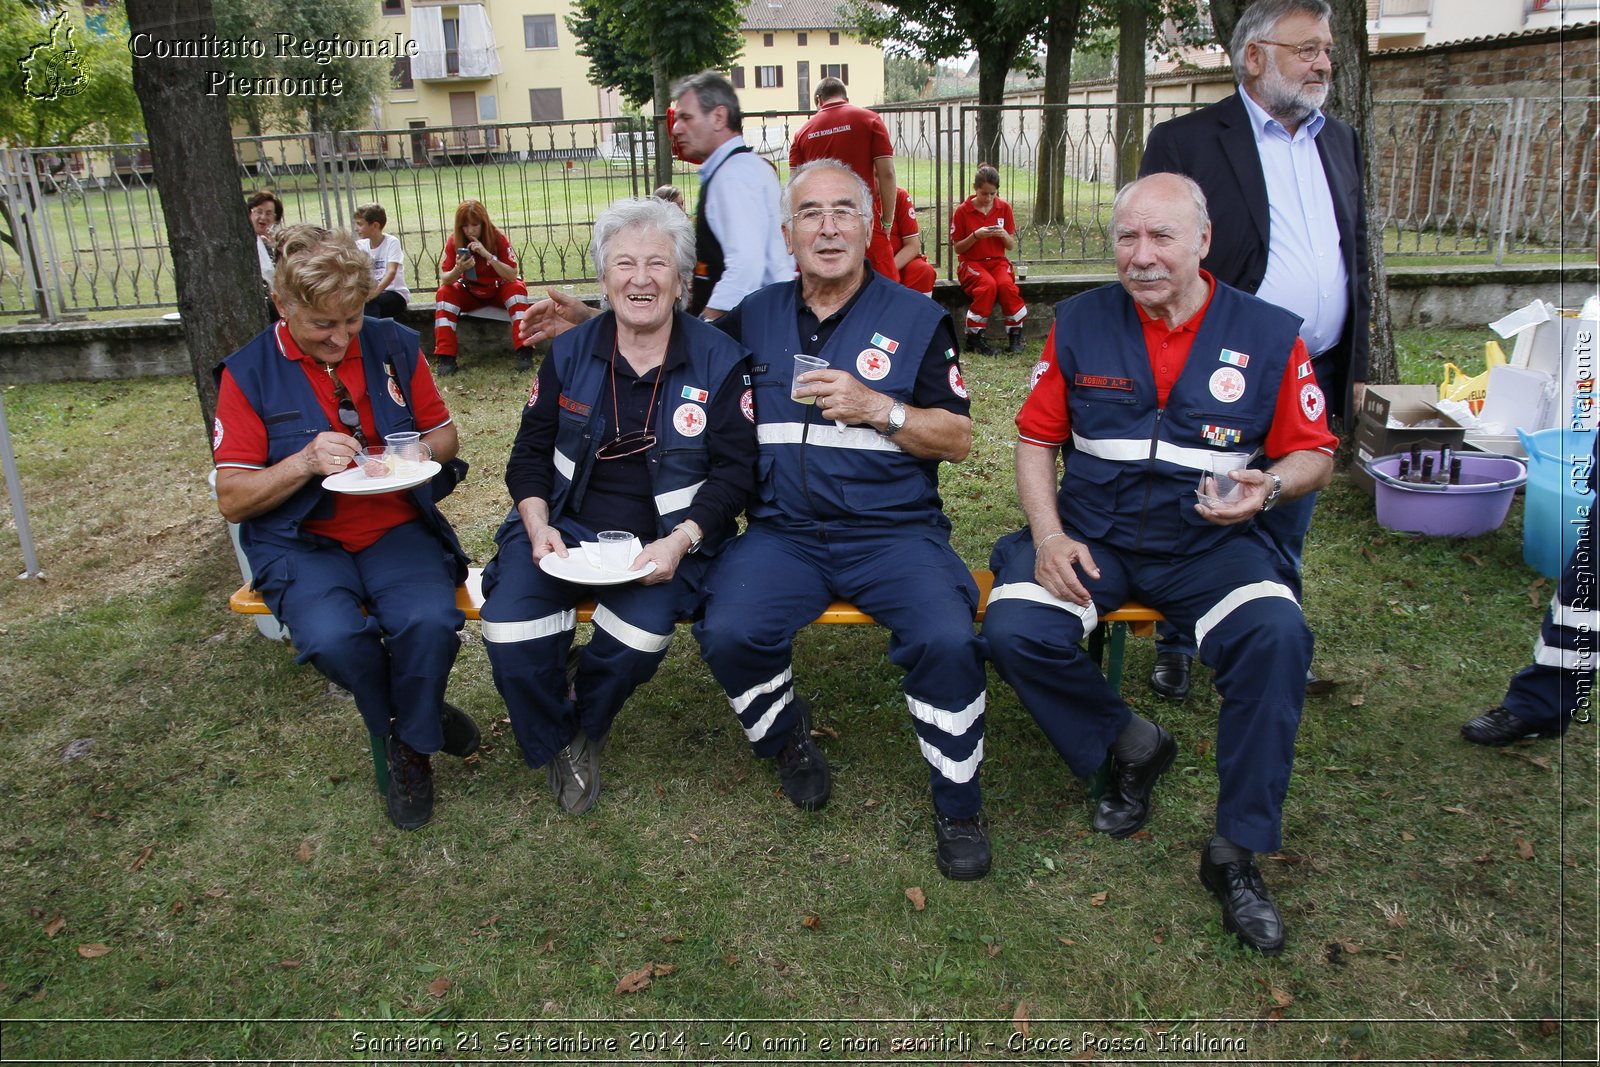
x,y
1238,142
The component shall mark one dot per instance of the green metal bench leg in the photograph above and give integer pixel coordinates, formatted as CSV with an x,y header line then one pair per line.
x,y
380,764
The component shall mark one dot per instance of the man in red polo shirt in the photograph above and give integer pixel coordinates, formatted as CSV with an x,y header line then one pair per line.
x,y
856,137
1141,386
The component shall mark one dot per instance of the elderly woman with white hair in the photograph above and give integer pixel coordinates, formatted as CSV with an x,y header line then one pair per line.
x,y
639,423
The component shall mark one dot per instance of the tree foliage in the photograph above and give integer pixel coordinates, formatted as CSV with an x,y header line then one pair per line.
x,y
905,78
639,47
1003,33
363,80
64,80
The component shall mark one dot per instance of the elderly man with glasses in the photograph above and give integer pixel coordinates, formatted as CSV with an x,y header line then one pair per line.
x,y
1283,182
848,506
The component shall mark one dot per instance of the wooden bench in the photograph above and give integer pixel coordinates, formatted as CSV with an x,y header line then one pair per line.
x,y
1133,617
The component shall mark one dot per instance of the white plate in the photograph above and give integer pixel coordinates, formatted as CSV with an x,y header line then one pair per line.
x,y
355,482
576,569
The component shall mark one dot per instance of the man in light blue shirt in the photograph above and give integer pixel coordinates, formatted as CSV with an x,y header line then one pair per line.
x,y
738,235
1283,183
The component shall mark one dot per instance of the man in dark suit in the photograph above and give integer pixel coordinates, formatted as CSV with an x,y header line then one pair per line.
x,y
1288,214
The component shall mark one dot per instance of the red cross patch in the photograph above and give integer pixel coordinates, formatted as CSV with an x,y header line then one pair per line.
x,y
690,420
873,364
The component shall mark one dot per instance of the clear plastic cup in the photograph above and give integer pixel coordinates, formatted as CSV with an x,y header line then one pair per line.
x,y
802,364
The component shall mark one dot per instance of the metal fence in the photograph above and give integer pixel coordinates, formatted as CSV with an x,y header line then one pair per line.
x,y
84,231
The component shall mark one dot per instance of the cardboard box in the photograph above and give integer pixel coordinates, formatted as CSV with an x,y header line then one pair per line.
x,y
1409,404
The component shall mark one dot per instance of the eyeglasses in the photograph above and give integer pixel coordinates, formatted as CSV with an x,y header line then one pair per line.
x,y
348,415
1307,52
629,444
811,218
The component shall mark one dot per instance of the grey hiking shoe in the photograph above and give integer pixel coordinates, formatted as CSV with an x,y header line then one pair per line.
x,y
574,775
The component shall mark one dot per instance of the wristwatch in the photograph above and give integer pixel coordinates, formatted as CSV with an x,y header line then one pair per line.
x,y
1274,493
897,419
688,529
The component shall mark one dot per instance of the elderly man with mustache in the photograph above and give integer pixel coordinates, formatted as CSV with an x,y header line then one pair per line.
x,y
1141,386
1283,181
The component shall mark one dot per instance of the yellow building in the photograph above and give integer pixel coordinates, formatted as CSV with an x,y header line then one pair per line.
x,y
514,61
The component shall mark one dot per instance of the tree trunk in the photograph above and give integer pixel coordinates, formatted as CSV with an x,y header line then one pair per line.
x,y
1224,17
663,100
1130,89
991,94
1062,33
1351,100
208,230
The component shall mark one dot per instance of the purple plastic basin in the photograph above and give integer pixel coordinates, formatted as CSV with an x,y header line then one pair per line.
x,y
1475,506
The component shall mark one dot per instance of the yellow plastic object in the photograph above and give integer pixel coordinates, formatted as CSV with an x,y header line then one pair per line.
x,y
1469,390
1493,355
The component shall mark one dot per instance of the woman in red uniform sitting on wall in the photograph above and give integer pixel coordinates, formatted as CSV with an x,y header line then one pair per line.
x,y
982,231
479,268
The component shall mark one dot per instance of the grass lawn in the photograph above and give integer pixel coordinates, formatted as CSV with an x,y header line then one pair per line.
x,y
194,864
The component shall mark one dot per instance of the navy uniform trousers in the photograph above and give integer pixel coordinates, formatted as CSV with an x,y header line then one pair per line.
x,y
769,584
1558,686
527,621
1236,599
395,659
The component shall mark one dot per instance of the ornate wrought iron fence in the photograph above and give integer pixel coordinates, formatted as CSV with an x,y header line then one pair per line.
x,y
83,229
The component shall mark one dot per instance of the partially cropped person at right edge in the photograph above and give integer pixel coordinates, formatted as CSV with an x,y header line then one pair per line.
x,y
1545,697
1283,181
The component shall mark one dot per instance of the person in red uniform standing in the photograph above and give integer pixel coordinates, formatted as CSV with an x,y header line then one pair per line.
x,y
479,268
982,231
856,137
915,270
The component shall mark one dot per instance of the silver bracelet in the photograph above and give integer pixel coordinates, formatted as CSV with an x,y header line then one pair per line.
x,y
1048,538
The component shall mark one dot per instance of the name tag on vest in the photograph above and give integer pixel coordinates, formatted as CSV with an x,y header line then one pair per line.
x,y
1098,381
573,406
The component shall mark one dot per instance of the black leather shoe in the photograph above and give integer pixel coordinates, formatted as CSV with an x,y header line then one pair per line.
x,y
444,366
1170,676
461,734
1497,726
410,797
963,854
1014,339
1247,911
977,343
803,773
1125,805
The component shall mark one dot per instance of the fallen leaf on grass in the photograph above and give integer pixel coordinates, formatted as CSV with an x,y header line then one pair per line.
x,y
439,987
1407,835
1358,700
1524,847
1458,811
1066,941
661,794
93,950
36,911
1352,947
304,852
289,965
1542,762
1548,1026
1368,553
826,731
1099,899
1398,919
1019,1019
55,926
696,839
1202,746
1483,860
730,960
670,939
633,981
1468,557
917,898
1141,835
138,864
661,969
995,950
216,894
1395,956
811,922
177,907
1279,997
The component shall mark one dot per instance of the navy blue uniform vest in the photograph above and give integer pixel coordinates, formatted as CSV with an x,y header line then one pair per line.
x,y
679,463
1132,468
811,472
277,390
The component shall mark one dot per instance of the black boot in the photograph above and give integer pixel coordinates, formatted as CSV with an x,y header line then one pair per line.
x,y
976,342
1016,338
